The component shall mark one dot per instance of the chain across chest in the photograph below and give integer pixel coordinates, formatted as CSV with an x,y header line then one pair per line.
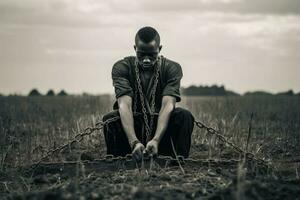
x,y
139,91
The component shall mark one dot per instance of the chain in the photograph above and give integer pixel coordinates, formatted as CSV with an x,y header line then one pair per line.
x,y
221,137
129,157
110,162
108,158
142,103
99,126
135,98
77,138
148,126
153,92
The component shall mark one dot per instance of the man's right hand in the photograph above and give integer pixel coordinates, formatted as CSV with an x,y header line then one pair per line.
x,y
137,152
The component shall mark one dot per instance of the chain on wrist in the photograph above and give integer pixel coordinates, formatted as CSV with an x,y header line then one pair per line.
x,y
134,143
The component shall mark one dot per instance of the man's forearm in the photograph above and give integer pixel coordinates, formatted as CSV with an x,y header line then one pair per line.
x,y
128,123
163,120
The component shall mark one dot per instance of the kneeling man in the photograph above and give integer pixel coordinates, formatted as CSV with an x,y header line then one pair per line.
x,y
147,87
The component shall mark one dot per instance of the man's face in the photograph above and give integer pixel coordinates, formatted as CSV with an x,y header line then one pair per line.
x,y
147,54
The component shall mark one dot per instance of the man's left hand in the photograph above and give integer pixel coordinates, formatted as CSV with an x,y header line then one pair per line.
x,y
152,147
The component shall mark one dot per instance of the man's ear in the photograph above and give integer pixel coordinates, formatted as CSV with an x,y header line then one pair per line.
x,y
159,48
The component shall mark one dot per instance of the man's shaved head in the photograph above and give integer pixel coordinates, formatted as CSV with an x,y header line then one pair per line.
x,y
147,47
147,35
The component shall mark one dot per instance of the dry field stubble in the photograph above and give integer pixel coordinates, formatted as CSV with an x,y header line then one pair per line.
x,y
29,127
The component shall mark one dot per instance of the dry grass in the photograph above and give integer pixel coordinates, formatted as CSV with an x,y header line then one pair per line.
x,y
29,127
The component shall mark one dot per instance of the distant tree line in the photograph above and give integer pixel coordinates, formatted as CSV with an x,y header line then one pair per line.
x,y
215,90
193,90
264,93
35,92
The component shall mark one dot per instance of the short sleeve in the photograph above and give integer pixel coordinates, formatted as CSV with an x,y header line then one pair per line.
x,y
120,77
173,78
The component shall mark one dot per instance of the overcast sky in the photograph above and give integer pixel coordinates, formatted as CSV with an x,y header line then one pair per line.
x,y
72,44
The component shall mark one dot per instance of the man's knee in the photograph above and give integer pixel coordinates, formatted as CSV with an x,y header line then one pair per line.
x,y
182,114
110,115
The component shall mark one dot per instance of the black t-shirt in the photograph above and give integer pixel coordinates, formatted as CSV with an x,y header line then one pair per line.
x,y
124,80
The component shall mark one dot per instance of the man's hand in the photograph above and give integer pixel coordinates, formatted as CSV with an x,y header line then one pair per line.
x,y
137,152
152,147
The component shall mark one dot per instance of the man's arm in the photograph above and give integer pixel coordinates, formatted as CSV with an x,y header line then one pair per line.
x,y
126,114
168,104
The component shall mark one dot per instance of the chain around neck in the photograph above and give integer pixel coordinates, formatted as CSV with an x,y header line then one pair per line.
x,y
139,90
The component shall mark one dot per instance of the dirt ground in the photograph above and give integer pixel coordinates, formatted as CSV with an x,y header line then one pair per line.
x,y
32,126
158,178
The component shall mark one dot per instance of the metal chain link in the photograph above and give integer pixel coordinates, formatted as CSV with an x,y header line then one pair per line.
x,y
146,123
148,126
77,138
211,131
99,126
153,93
221,137
110,158
165,159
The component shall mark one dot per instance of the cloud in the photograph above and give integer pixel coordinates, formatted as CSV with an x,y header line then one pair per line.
x,y
230,6
124,13
216,39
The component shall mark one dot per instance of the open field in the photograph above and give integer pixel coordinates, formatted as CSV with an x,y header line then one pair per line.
x,y
29,127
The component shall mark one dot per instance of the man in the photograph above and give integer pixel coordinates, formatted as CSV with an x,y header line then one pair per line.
x,y
147,88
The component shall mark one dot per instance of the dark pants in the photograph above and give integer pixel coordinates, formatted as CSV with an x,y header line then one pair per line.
x,y
179,130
